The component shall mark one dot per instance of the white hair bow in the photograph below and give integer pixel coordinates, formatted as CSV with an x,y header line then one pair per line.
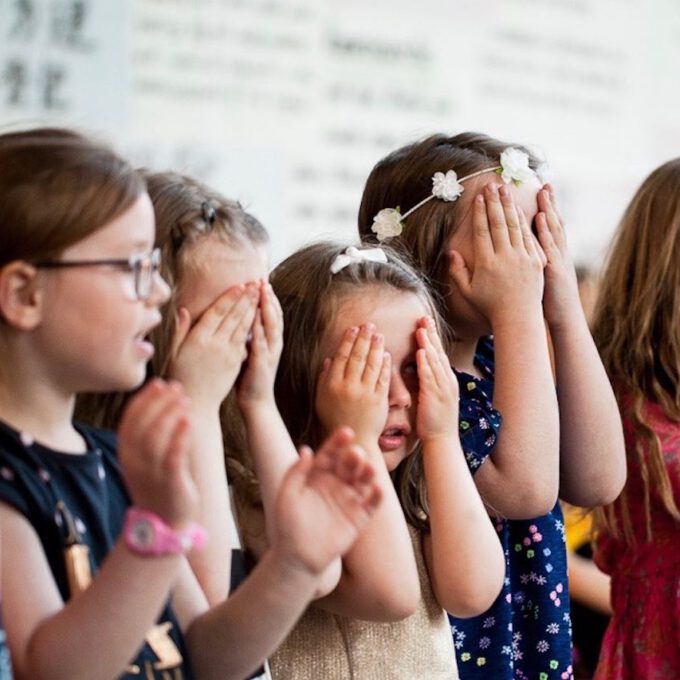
x,y
352,255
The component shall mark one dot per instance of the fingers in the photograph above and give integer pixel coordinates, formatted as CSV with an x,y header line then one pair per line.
x,y
347,462
482,242
182,328
146,404
338,364
339,439
156,424
238,319
531,243
374,360
511,213
498,225
272,315
434,369
359,359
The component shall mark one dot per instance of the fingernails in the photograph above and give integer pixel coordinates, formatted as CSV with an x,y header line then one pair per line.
x,y
479,199
354,330
504,191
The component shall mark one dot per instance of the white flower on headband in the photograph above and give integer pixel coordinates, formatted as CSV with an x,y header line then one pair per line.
x,y
515,167
387,223
353,255
446,186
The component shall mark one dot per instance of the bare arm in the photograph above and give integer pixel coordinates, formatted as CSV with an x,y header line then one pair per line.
x,y
526,456
588,585
97,632
464,556
352,390
270,446
206,358
323,503
592,451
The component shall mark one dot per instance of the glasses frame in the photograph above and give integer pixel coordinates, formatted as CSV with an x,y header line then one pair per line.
x,y
144,266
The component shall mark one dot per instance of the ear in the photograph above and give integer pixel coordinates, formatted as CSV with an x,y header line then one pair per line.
x,y
21,295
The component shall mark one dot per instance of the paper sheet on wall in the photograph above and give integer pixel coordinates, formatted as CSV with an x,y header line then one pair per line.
x,y
287,104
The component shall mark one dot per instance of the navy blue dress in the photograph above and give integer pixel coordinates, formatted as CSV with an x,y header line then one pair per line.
x,y
526,634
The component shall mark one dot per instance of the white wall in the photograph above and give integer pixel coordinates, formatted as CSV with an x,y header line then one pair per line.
x,y
287,104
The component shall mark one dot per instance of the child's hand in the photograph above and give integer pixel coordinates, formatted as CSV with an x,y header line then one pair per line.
x,y
352,387
561,299
507,273
438,386
206,357
324,502
153,441
257,381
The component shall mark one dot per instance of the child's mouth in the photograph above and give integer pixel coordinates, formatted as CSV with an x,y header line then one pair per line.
x,y
392,438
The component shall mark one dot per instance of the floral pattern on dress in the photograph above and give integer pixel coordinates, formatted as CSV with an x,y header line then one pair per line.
x,y
526,634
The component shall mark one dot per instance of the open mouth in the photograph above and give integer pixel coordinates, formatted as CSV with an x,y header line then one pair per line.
x,y
393,437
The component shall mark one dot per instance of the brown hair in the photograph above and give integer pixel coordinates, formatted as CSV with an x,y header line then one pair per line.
x,y
404,178
56,188
186,211
310,295
637,330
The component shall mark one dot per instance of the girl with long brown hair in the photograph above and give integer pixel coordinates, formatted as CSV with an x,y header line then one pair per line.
x,y
477,221
637,330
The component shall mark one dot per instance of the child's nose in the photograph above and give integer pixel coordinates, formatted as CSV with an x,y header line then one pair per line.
x,y
160,291
399,395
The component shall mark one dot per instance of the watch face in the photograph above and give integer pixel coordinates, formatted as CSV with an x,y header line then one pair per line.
x,y
143,533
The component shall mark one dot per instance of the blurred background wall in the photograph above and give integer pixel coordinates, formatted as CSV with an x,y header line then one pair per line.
x,y
287,104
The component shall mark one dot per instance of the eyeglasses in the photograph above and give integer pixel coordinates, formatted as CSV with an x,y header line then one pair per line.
x,y
144,267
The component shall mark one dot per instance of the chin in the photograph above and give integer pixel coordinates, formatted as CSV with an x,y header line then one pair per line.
x,y
393,459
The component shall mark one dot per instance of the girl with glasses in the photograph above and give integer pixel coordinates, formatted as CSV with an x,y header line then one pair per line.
x,y
96,529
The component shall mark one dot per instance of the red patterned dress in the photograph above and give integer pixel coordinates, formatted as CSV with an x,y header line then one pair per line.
x,y
642,641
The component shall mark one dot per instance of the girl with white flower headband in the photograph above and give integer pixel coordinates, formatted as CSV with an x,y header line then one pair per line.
x,y
485,232
362,347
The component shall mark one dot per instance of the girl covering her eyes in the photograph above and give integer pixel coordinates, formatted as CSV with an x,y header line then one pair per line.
x,y
362,347
497,286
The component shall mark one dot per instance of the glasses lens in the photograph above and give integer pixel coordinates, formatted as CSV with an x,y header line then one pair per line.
x,y
145,268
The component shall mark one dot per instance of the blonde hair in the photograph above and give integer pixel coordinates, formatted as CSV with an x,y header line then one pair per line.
x,y
637,330
187,211
404,178
310,296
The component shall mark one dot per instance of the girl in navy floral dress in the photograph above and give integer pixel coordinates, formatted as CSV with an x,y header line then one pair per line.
x,y
464,208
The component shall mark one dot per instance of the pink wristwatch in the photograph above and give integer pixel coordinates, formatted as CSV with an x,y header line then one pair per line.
x,y
146,534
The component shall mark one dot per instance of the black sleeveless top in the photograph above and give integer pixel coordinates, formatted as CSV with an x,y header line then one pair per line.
x,y
83,496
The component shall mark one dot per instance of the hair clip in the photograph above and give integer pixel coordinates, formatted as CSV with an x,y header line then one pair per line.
x,y
208,213
354,255
514,167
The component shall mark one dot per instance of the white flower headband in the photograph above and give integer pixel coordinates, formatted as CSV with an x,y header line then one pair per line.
x,y
353,255
514,167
